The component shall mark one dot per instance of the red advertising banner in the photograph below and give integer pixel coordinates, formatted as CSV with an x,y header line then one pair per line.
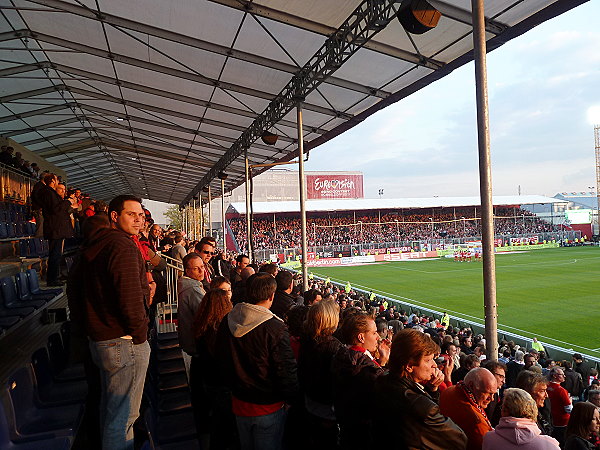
x,y
334,186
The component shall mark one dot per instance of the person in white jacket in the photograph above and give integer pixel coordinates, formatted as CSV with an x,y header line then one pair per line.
x,y
517,428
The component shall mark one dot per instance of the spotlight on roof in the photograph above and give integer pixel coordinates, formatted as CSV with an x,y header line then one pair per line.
x,y
222,175
418,16
269,138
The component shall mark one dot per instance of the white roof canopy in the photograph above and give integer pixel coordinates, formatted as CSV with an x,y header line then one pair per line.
x,y
155,97
370,204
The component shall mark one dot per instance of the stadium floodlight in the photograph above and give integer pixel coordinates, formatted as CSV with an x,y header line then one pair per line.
x,y
593,115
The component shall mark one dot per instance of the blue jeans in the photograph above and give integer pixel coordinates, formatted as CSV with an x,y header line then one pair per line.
x,y
123,366
261,432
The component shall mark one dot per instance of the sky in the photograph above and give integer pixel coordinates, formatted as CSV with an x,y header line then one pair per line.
x,y
541,86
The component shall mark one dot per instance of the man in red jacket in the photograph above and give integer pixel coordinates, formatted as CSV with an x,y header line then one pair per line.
x,y
116,292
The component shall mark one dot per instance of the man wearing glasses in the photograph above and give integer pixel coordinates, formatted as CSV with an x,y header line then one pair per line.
x,y
206,249
494,409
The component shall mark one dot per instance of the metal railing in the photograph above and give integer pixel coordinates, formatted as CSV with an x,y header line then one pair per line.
x,y
167,311
556,352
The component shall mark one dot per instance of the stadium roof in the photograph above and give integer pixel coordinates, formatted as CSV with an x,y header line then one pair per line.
x,y
155,97
365,204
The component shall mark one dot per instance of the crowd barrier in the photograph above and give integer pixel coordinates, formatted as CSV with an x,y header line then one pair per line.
x,y
166,311
556,352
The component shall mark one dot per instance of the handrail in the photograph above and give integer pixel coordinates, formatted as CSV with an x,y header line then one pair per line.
x,y
167,310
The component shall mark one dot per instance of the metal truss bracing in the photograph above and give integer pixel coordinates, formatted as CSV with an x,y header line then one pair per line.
x,y
155,97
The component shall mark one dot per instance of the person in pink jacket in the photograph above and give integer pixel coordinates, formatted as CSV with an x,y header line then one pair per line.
x,y
517,428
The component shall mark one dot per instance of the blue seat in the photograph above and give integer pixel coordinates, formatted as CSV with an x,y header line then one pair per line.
x,y
8,321
34,421
41,250
10,226
24,251
7,431
3,230
30,228
24,292
51,393
34,284
17,311
59,360
11,298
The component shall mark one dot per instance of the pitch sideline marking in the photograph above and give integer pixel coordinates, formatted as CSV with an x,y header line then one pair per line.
x,y
467,315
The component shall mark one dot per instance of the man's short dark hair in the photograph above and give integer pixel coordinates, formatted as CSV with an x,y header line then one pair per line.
x,y
310,296
178,238
206,240
284,279
260,287
187,258
240,258
117,204
270,268
48,178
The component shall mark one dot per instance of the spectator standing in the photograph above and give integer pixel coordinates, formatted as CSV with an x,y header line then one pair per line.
x,y
57,224
517,429
116,292
257,362
465,404
514,367
560,403
584,424
178,251
241,262
239,288
190,293
537,386
573,382
406,398
283,300
583,368
318,347
206,249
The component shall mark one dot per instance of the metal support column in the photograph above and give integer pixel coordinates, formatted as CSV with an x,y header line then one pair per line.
x,y
485,181
194,221
302,186
209,212
202,225
248,207
223,225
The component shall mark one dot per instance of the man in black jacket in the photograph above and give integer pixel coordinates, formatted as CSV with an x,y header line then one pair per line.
x,y
283,300
257,362
57,223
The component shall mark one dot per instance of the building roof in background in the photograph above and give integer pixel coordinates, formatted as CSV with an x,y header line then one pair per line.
x,y
373,204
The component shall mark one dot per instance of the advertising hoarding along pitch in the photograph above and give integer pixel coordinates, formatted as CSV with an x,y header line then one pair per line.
x,y
334,186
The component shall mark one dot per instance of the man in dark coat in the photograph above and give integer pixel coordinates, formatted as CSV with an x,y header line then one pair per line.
x,y
283,301
57,223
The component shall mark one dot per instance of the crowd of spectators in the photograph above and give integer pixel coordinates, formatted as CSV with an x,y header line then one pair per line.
x,y
17,163
273,366
284,232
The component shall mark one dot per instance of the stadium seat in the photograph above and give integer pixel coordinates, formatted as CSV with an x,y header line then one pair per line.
x,y
7,431
10,226
34,284
24,292
59,360
31,420
3,230
17,311
8,321
51,393
11,299
31,228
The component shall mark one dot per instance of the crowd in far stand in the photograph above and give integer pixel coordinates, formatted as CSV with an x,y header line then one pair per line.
x,y
17,163
414,226
272,366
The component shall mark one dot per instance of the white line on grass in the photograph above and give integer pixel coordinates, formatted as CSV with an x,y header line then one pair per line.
x,y
456,313
574,261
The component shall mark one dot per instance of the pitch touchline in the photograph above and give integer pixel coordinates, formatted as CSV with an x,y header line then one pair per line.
x,y
467,315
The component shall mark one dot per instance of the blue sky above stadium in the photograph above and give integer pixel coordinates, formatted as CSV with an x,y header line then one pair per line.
x,y
542,86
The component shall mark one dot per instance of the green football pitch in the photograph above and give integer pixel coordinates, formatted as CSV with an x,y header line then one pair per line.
x,y
552,294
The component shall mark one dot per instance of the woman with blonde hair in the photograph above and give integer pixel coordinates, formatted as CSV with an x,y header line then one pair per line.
x,y
318,346
518,428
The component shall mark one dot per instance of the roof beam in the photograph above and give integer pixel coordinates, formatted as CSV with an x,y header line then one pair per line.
x,y
464,16
120,22
29,94
161,69
54,136
174,96
42,127
359,28
144,106
324,30
35,112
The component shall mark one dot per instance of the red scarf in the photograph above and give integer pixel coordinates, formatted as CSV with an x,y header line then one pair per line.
x,y
471,397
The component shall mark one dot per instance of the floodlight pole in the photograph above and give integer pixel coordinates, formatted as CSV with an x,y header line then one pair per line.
x,y
248,207
302,187
209,213
224,225
485,181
